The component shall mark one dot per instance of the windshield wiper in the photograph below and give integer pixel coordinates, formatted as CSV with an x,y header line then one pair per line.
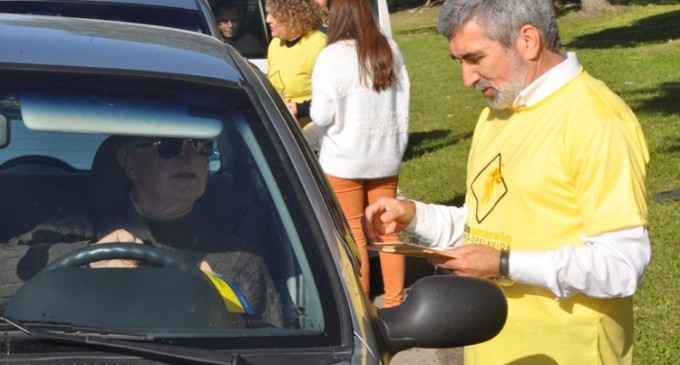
x,y
66,329
122,340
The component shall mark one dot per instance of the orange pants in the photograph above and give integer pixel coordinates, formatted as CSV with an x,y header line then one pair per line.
x,y
354,196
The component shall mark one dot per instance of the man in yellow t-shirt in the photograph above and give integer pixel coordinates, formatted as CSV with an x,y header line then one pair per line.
x,y
555,206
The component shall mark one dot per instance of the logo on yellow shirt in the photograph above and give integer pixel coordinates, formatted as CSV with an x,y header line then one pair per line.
x,y
488,188
278,83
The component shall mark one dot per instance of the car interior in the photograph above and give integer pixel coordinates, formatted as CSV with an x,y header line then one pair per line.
x,y
252,14
53,166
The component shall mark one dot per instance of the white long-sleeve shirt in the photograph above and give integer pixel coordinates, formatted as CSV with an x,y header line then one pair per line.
x,y
362,133
610,265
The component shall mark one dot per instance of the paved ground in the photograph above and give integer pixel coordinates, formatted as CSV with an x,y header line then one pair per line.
x,y
415,269
418,356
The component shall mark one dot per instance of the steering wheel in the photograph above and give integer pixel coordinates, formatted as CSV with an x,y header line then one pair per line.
x,y
176,295
38,160
123,251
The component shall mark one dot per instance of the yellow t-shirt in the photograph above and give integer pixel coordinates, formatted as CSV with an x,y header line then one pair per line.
x,y
290,68
539,178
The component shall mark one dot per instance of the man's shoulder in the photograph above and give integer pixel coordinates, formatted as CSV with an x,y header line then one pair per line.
x,y
591,95
72,228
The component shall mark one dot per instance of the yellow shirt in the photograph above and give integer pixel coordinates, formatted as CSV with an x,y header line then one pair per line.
x,y
539,178
290,68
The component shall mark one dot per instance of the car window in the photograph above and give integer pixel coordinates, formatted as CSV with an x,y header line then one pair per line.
x,y
253,23
76,151
249,201
253,18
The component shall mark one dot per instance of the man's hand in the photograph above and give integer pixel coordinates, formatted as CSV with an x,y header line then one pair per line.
x,y
119,235
292,107
205,267
473,260
387,216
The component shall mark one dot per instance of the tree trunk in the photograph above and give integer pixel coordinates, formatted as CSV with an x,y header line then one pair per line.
x,y
590,6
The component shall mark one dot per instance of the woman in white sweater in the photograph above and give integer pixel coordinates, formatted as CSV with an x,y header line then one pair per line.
x,y
360,115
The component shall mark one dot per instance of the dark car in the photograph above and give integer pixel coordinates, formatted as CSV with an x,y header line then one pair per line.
x,y
75,96
191,15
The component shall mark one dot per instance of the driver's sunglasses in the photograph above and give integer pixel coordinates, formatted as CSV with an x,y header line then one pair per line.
x,y
171,147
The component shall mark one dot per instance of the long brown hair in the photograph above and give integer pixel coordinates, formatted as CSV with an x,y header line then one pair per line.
x,y
352,19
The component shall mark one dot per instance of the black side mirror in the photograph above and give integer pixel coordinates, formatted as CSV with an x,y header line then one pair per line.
x,y
445,311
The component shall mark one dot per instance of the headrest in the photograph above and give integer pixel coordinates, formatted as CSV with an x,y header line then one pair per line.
x,y
110,187
108,182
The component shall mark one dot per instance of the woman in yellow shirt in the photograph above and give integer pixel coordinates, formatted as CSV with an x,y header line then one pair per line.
x,y
292,53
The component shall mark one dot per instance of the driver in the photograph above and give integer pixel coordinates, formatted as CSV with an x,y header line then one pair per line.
x,y
167,176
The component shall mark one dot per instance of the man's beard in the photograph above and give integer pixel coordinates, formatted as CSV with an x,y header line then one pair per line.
x,y
504,96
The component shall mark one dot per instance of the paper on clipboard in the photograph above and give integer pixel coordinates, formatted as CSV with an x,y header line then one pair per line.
x,y
410,249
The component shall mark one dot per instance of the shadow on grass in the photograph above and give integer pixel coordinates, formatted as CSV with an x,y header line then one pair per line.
x,y
654,29
672,146
457,201
643,2
670,195
420,143
675,145
421,30
399,5
664,101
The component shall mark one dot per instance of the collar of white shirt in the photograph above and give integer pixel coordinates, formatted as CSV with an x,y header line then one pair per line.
x,y
549,82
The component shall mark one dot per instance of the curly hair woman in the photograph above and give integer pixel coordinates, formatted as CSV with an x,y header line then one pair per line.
x,y
292,52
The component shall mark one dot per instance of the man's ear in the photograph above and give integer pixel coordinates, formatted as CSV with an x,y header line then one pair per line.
x,y
127,163
529,42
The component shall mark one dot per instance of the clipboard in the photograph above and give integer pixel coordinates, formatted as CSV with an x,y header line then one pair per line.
x,y
410,249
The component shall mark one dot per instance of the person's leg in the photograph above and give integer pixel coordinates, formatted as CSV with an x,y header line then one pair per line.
x,y
393,266
351,196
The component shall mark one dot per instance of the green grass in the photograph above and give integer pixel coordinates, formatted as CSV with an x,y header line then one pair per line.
x,y
636,51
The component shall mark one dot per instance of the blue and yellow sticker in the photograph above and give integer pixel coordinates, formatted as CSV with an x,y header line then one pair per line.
x,y
233,297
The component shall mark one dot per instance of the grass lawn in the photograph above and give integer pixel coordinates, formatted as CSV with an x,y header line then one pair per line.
x,y
636,51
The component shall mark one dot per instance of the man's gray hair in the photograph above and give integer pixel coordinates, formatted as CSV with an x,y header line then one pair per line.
x,y
501,20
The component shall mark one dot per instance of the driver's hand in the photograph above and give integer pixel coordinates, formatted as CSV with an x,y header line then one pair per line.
x,y
205,267
119,235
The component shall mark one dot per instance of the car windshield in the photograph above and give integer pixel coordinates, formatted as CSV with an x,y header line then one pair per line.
x,y
67,153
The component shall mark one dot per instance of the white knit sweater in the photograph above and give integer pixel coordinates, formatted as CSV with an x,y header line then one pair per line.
x,y
362,134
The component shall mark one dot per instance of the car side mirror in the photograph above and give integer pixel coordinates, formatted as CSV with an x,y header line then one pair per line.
x,y
445,311
4,131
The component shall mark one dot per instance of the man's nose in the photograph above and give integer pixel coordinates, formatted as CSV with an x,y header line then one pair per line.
x,y
470,74
188,152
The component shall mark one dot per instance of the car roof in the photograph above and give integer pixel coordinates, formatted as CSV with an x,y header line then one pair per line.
x,y
82,45
97,8
183,4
